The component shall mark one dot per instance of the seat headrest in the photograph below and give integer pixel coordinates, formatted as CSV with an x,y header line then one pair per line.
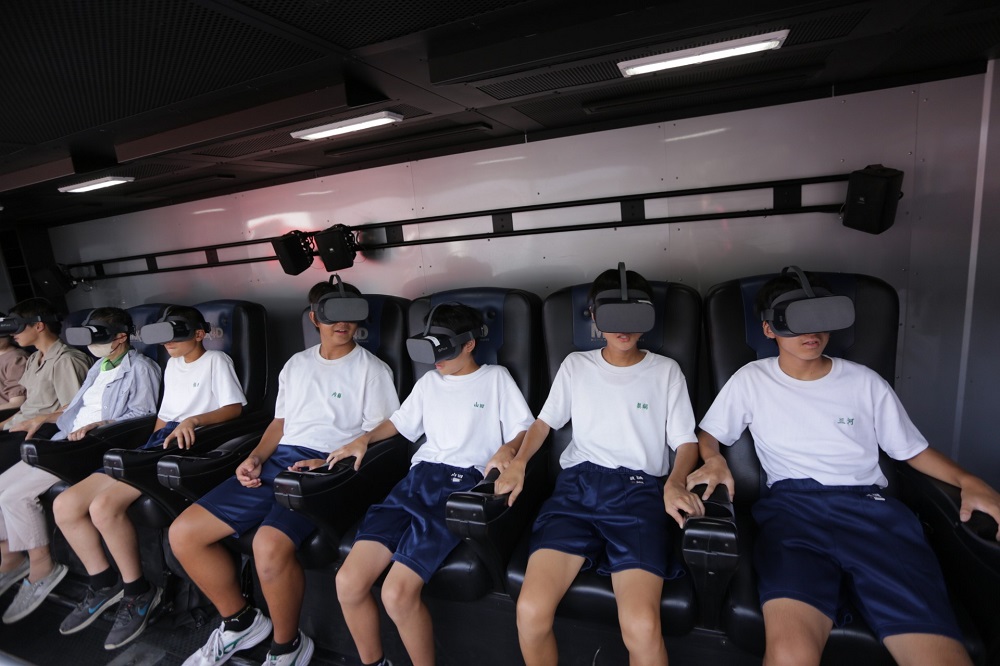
x,y
239,329
147,313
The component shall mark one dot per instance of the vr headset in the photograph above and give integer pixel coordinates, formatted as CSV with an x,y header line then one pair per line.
x,y
172,328
807,310
340,305
623,310
13,324
438,343
94,333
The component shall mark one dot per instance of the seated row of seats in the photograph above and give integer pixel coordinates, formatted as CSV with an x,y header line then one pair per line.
x,y
521,328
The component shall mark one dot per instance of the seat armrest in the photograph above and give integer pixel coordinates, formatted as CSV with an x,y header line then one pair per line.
x,y
193,473
491,527
214,436
74,461
710,548
335,499
137,468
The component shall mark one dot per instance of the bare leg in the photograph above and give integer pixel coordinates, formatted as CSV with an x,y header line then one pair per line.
x,y
549,575
194,538
401,597
108,513
72,512
281,579
9,560
913,649
637,593
795,633
41,563
366,562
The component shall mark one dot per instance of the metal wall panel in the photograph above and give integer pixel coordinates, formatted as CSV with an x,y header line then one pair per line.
x,y
929,131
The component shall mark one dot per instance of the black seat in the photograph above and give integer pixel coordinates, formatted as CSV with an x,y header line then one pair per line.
x,y
735,338
568,328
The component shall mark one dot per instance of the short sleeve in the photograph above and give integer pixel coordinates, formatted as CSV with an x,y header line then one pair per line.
x,y
225,384
515,416
380,399
11,369
730,413
68,373
409,418
557,410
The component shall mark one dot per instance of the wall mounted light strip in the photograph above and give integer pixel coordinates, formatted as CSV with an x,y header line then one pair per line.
x,y
702,54
345,126
100,183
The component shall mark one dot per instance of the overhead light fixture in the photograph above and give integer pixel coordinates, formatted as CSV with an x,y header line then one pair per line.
x,y
97,184
702,54
350,125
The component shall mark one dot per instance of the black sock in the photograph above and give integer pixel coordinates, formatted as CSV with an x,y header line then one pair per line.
x,y
381,662
284,648
241,620
104,579
136,587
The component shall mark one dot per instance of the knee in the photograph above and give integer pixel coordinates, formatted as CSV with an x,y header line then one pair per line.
x,y
106,510
67,508
534,615
183,536
791,651
273,553
400,601
350,588
641,630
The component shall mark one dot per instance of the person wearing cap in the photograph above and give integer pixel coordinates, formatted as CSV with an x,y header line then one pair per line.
x,y
327,396
122,384
610,506
200,389
474,417
52,375
818,423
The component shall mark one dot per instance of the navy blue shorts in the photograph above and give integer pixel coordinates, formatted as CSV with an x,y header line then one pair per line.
x,y
245,508
615,518
410,522
823,545
155,440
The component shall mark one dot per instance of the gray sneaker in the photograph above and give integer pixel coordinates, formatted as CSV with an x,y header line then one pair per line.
x,y
133,614
298,657
14,576
224,644
94,603
31,595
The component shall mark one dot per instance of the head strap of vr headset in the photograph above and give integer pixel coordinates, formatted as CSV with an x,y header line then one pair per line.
x,y
195,325
113,329
457,339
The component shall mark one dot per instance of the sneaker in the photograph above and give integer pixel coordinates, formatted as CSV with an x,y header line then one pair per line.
x,y
133,614
14,576
31,595
94,603
223,644
298,657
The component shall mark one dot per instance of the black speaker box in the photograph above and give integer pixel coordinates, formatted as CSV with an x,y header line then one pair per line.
x,y
872,195
294,252
336,247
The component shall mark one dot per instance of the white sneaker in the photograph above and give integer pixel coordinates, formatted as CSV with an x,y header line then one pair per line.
x,y
299,657
31,595
223,644
14,576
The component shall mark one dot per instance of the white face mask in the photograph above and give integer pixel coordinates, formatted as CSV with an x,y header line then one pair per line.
x,y
102,351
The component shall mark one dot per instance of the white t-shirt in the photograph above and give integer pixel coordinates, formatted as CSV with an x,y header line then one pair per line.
x,y
327,404
90,408
622,417
200,387
828,429
466,418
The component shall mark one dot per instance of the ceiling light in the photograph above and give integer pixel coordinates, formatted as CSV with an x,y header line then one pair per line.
x,y
706,53
345,126
100,183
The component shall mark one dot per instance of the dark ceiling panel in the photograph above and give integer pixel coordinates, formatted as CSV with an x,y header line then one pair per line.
x,y
84,64
353,25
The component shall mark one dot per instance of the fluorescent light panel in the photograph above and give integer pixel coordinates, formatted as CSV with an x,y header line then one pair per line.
x,y
97,184
706,53
345,126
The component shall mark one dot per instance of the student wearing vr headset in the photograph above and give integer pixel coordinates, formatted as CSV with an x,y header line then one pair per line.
x,y
818,424
610,506
52,375
200,388
122,384
13,359
327,396
474,417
